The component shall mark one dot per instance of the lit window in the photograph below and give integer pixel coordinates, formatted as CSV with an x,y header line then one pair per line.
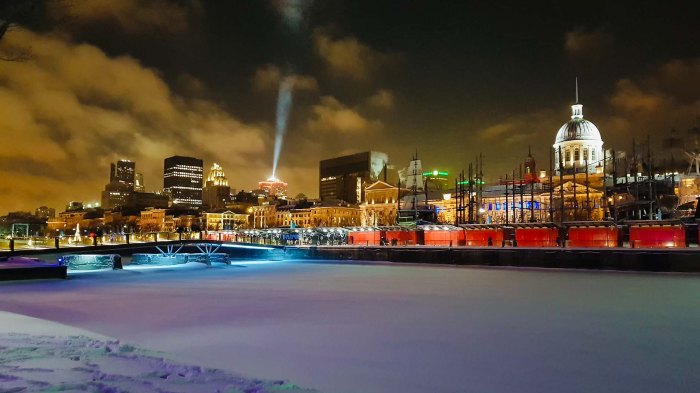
x,y
577,155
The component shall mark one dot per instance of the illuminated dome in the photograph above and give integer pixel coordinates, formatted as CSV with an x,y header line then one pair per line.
x,y
578,128
578,146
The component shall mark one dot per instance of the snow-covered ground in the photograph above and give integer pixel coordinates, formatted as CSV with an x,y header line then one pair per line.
x,y
52,363
392,328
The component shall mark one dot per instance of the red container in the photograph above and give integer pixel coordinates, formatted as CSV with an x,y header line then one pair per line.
x,y
594,236
444,237
536,237
474,237
403,237
364,238
657,236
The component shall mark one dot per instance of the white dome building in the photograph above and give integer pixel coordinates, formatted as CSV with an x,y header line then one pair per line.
x,y
579,143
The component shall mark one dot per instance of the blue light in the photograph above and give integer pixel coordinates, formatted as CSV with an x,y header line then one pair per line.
x,y
284,105
248,247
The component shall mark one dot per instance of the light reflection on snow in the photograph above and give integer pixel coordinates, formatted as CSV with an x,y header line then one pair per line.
x,y
152,267
260,262
248,247
71,272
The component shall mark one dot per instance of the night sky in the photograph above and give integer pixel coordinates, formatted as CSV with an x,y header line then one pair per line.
x,y
104,80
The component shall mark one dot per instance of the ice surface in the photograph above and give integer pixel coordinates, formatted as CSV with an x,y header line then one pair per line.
x,y
394,328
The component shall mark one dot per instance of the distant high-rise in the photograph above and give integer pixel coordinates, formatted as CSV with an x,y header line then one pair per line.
x,y
115,194
121,184
138,183
344,178
123,172
182,180
45,212
74,205
273,187
216,192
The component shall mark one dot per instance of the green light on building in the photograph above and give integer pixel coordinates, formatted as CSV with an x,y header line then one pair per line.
x,y
436,173
475,182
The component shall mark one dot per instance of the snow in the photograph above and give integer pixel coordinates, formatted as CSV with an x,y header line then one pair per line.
x,y
80,364
390,328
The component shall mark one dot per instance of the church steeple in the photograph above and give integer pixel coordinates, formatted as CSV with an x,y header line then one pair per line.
x,y
529,164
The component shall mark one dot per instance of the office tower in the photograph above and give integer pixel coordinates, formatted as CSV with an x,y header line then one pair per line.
x,y
182,180
344,178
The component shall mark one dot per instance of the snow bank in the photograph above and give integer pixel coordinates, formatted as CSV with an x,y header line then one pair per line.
x,y
34,363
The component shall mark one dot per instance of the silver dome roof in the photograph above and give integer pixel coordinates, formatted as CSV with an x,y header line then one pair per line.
x,y
578,128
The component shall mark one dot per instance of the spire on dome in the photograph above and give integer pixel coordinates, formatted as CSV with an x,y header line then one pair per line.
x,y
576,109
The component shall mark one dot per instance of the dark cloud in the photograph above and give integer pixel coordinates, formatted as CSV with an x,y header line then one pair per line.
x,y
588,46
133,17
347,57
144,80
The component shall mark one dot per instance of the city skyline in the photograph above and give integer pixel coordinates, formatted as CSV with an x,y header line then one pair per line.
x,y
143,81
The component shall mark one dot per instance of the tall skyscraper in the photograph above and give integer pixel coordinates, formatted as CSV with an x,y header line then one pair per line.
x,y
182,180
123,171
216,192
121,184
345,178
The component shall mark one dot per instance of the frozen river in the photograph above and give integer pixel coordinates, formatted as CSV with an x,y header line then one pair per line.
x,y
395,328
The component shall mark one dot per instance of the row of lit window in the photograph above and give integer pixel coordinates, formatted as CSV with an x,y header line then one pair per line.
x,y
181,166
186,188
519,205
183,174
188,200
577,154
